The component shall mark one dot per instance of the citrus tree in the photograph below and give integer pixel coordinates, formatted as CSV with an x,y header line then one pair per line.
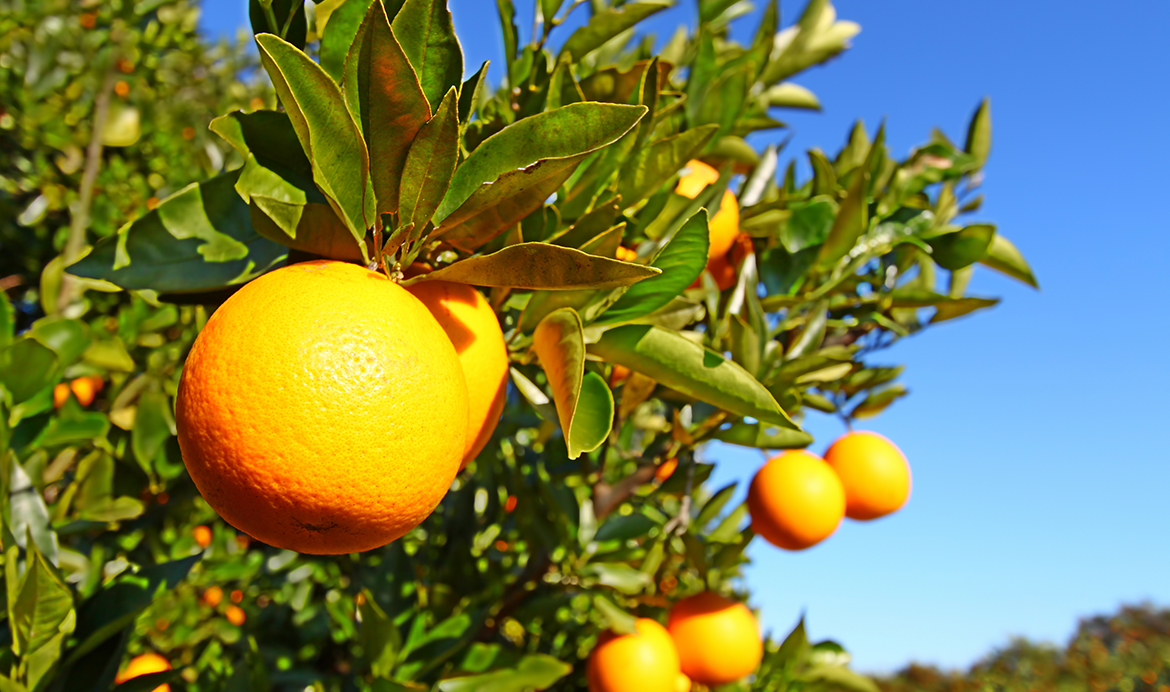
x,y
596,273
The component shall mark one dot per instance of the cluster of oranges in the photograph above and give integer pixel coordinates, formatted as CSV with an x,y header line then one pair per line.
x,y
708,639
84,389
343,427
798,499
726,245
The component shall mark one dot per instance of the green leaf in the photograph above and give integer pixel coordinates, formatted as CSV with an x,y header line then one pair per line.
x,y
312,228
384,96
340,32
809,224
199,239
424,29
876,402
535,396
540,266
152,426
430,165
763,436
979,133
789,95
549,9
564,133
328,134
379,637
709,10
618,575
559,343
510,36
607,24
298,26
851,222
593,418
27,367
661,161
7,320
682,261
713,506
795,645
620,622
75,426
683,365
1003,256
471,92
624,527
534,672
43,601
839,677
962,248
962,306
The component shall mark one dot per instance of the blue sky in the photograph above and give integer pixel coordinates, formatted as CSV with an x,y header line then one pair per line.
x,y
1036,431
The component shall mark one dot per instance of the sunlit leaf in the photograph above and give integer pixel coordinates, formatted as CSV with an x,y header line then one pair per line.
x,y
607,24
424,29
541,266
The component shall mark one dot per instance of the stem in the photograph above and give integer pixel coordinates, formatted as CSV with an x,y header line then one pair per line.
x,y
288,22
379,262
93,162
270,15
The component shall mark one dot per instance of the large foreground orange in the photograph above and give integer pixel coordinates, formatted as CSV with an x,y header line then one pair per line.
x,y
874,472
724,225
796,500
718,639
474,330
322,409
145,665
641,662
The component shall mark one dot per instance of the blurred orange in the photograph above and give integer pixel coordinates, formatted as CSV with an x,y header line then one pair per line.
x,y
644,661
235,615
237,596
718,640
665,470
144,665
202,536
796,500
618,374
874,472
212,596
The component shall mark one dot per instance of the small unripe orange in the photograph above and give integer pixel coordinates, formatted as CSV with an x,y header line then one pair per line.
x,y
202,536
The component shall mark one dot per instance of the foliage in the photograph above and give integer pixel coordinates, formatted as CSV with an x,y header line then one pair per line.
x,y
567,523
1127,651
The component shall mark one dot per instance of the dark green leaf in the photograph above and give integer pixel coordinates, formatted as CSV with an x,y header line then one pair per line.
x,y
27,367
380,638
683,365
607,24
809,224
7,321
962,248
620,527
152,426
1003,256
507,14
470,93
541,266
424,29
384,96
327,132
199,239
876,402
567,132
430,164
851,222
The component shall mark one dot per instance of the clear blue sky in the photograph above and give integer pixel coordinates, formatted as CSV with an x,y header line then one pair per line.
x,y
1037,431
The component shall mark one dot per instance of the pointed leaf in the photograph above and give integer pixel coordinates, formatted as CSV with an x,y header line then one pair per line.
x,y
876,402
687,367
763,436
430,164
43,601
593,419
384,97
298,26
471,92
851,222
1003,256
661,161
424,29
26,368
962,248
567,132
340,32
607,24
559,343
380,638
327,132
979,133
960,307
199,239
540,266
533,672
681,262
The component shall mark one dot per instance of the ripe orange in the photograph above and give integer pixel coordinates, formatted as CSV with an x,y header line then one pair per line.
x,y
718,640
796,500
202,536
144,665
665,470
60,395
86,388
322,409
682,683
474,329
645,661
618,375
235,615
724,225
725,268
212,596
626,254
873,471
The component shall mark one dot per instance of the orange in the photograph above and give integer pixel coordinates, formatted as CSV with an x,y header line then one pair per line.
x,y
60,395
86,388
625,254
873,471
796,500
235,615
618,375
718,640
212,596
644,661
665,470
682,683
474,329
724,225
202,536
725,268
322,409
144,665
